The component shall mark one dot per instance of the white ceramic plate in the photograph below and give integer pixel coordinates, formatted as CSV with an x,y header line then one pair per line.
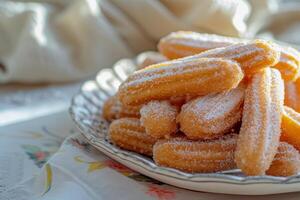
x,y
86,112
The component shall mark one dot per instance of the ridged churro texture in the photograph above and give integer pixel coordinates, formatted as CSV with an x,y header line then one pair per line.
x,y
252,56
149,58
128,133
159,118
261,123
113,109
186,43
196,156
289,63
213,115
178,78
183,43
109,109
292,94
291,127
286,161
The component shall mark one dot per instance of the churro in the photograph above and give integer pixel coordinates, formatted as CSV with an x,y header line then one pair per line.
x,y
260,131
159,118
186,103
252,56
113,109
286,161
179,78
196,156
109,109
213,115
291,127
184,43
289,63
128,133
292,94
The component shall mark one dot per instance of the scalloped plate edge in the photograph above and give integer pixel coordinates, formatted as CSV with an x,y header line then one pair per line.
x,y
228,184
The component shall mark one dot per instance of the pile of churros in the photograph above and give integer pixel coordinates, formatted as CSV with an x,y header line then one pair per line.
x,y
207,103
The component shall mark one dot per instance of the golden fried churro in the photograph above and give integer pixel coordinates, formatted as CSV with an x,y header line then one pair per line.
x,y
109,109
149,58
289,63
180,78
113,109
291,127
159,118
286,161
260,131
292,95
196,156
184,43
213,115
252,56
129,134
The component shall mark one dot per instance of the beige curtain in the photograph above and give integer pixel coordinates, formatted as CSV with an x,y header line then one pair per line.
x,y
66,40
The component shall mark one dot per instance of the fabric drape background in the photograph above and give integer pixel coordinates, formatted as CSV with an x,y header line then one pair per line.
x,y
67,40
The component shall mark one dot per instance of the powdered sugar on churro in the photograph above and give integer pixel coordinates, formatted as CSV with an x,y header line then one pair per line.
x,y
159,118
200,40
260,131
171,68
253,51
129,134
180,77
286,161
196,156
212,115
159,109
184,43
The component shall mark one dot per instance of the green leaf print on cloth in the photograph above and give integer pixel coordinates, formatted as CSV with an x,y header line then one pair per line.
x,y
38,155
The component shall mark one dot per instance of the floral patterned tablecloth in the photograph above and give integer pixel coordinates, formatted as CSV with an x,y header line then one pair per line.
x,y
46,158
